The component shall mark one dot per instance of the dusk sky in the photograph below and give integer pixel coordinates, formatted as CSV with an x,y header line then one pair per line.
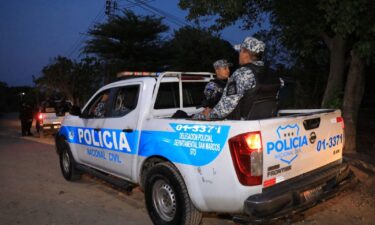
x,y
32,32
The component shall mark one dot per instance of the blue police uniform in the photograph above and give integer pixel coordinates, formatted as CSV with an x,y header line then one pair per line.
x,y
242,80
213,92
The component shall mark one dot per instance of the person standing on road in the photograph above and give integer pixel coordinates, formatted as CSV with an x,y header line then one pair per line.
x,y
242,80
214,89
26,117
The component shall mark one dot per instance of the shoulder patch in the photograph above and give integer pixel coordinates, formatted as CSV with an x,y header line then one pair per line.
x,y
232,88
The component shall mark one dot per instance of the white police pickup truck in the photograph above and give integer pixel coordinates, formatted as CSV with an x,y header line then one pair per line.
x,y
50,116
255,170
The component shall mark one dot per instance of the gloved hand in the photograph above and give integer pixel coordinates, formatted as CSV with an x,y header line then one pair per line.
x,y
199,116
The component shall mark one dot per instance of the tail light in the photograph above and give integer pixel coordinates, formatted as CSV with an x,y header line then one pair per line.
x,y
40,118
340,120
247,155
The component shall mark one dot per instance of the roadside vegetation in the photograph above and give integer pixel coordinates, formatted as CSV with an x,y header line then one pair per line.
x,y
324,50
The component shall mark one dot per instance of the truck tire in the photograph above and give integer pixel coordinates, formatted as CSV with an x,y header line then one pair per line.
x,y
167,198
67,164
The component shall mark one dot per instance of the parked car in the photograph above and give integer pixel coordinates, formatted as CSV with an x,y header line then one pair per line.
x,y
50,117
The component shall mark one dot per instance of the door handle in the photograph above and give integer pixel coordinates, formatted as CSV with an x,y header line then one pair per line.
x,y
128,130
311,123
97,129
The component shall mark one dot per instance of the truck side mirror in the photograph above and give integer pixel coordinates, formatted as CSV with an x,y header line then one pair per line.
x,y
75,111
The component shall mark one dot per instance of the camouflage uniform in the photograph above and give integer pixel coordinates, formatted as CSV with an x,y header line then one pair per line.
x,y
251,44
214,89
221,63
99,110
213,92
242,80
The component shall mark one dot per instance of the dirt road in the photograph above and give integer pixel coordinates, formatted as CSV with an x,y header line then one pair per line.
x,y
33,191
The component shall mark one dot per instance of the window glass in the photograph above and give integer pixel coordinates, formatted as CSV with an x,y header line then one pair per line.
x,y
125,100
193,93
168,96
97,108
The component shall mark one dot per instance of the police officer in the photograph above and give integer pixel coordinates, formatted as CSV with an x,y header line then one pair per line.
x,y
214,89
242,79
99,111
26,117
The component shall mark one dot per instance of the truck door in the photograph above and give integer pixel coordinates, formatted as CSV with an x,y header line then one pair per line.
x,y
88,140
119,132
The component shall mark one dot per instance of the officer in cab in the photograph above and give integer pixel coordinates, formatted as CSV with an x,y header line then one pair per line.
x,y
242,80
214,89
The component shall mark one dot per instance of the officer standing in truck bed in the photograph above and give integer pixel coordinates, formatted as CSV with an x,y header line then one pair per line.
x,y
243,79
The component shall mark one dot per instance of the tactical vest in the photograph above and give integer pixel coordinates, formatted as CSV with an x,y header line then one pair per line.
x,y
266,87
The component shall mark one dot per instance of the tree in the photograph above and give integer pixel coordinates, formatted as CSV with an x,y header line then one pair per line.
x,y
135,43
87,78
304,28
226,12
194,49
75,81
361,34
129,42
57,76
345,27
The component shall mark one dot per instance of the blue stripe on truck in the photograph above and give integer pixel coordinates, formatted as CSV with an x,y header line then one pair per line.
x,y
190,144
108,139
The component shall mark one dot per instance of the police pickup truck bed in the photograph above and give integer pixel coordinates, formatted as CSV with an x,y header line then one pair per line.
x,y
256,170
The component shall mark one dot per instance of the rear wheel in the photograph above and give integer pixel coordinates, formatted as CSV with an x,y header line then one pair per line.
x,y
167,198
67,164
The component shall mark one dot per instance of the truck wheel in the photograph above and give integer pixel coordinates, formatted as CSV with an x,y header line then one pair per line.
x,y
167,198
67,164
